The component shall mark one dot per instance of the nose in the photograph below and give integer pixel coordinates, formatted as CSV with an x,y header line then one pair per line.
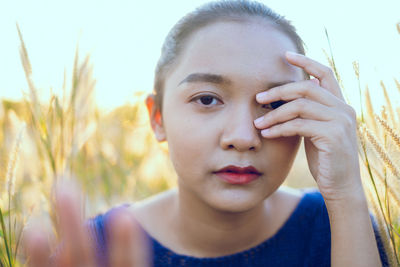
x,y
240,133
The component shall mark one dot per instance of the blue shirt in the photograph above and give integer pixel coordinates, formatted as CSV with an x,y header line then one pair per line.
x,y
303,240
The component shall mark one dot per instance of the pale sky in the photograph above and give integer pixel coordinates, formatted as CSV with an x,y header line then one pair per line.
x,y
124,39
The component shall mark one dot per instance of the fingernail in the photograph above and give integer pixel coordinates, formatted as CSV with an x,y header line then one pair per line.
x,y
291,54
265,132
262,96
316,81
257,121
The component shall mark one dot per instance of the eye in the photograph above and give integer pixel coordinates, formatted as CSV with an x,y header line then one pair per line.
x,y
206,100
274,105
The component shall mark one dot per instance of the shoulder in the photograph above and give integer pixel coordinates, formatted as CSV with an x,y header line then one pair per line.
x,y
151,210
303,198
283,202
159,205
146,212
314,205
305,209
157,201
142,210
313,199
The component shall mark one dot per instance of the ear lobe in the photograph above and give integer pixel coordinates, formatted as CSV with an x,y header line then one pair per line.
x,y
155,118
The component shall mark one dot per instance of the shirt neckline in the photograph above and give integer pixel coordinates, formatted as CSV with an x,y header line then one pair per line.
x,y
292,218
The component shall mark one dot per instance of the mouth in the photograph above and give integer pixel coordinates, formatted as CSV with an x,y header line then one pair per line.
x,y
238,175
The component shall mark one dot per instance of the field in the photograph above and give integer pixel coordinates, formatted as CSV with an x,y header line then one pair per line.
x,y
116,159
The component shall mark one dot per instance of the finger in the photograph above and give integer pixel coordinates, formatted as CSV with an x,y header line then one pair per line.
x,y
301,108
36,246
302,89
323,73
316,81
121,241
76,250
127,244
300,127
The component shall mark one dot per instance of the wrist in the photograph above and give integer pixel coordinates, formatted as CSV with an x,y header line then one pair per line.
x,y
350,203
349,190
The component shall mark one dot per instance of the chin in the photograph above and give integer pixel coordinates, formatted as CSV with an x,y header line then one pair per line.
x,y
235,200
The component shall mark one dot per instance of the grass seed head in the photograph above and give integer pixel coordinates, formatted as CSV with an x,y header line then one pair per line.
x,y
13,162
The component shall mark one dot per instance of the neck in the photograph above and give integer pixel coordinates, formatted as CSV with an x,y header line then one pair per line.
x,y
206,232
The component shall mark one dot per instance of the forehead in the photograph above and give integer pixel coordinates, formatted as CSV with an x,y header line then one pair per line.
x,y
239,50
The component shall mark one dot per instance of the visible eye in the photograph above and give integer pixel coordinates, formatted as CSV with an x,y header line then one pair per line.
x,y
275,104
206,100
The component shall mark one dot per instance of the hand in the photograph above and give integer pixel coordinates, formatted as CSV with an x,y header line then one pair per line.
x,y
317,111
126,243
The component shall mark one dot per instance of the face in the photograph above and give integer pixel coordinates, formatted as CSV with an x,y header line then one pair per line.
x,y
209,108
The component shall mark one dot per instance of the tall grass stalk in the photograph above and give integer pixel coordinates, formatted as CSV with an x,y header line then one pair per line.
x,y
379,152
107,153
10,235
379,149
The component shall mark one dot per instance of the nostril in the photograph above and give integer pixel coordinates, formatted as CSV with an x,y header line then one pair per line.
x,y
251,148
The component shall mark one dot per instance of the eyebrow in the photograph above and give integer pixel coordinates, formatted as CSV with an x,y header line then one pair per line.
x,y
219,79
205,78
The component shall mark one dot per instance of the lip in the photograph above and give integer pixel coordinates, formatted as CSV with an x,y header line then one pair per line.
x,y
238,175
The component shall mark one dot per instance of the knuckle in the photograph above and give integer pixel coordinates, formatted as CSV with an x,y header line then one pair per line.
x,y
338,132
302,104
334,133
352,112
349,122
350,116
298,123
327,71
307,90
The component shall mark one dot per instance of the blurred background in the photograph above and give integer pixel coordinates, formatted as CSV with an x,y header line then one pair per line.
x,y
74,79
73,82
124,39
89,65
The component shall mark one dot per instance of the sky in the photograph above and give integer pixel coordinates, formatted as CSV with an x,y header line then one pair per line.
x,y
124,38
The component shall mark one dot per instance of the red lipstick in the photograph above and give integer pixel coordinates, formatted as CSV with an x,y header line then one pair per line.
x,y
238,175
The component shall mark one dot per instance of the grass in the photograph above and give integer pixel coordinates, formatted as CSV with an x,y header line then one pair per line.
x,y
113,155
10,232
379,150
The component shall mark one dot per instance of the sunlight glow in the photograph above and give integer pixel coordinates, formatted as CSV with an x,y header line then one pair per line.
x,y
124,39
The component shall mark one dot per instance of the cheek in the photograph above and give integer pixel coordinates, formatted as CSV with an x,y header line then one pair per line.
x,y
285,146
191,140
284,152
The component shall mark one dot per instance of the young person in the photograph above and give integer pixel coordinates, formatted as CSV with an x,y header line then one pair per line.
x,y
233,98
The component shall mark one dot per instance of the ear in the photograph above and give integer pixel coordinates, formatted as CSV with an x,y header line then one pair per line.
x,y
155,118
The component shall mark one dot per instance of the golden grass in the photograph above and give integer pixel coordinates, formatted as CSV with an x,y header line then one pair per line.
x,y
13,163
113,155
11,235
380,153
389,130
370,110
